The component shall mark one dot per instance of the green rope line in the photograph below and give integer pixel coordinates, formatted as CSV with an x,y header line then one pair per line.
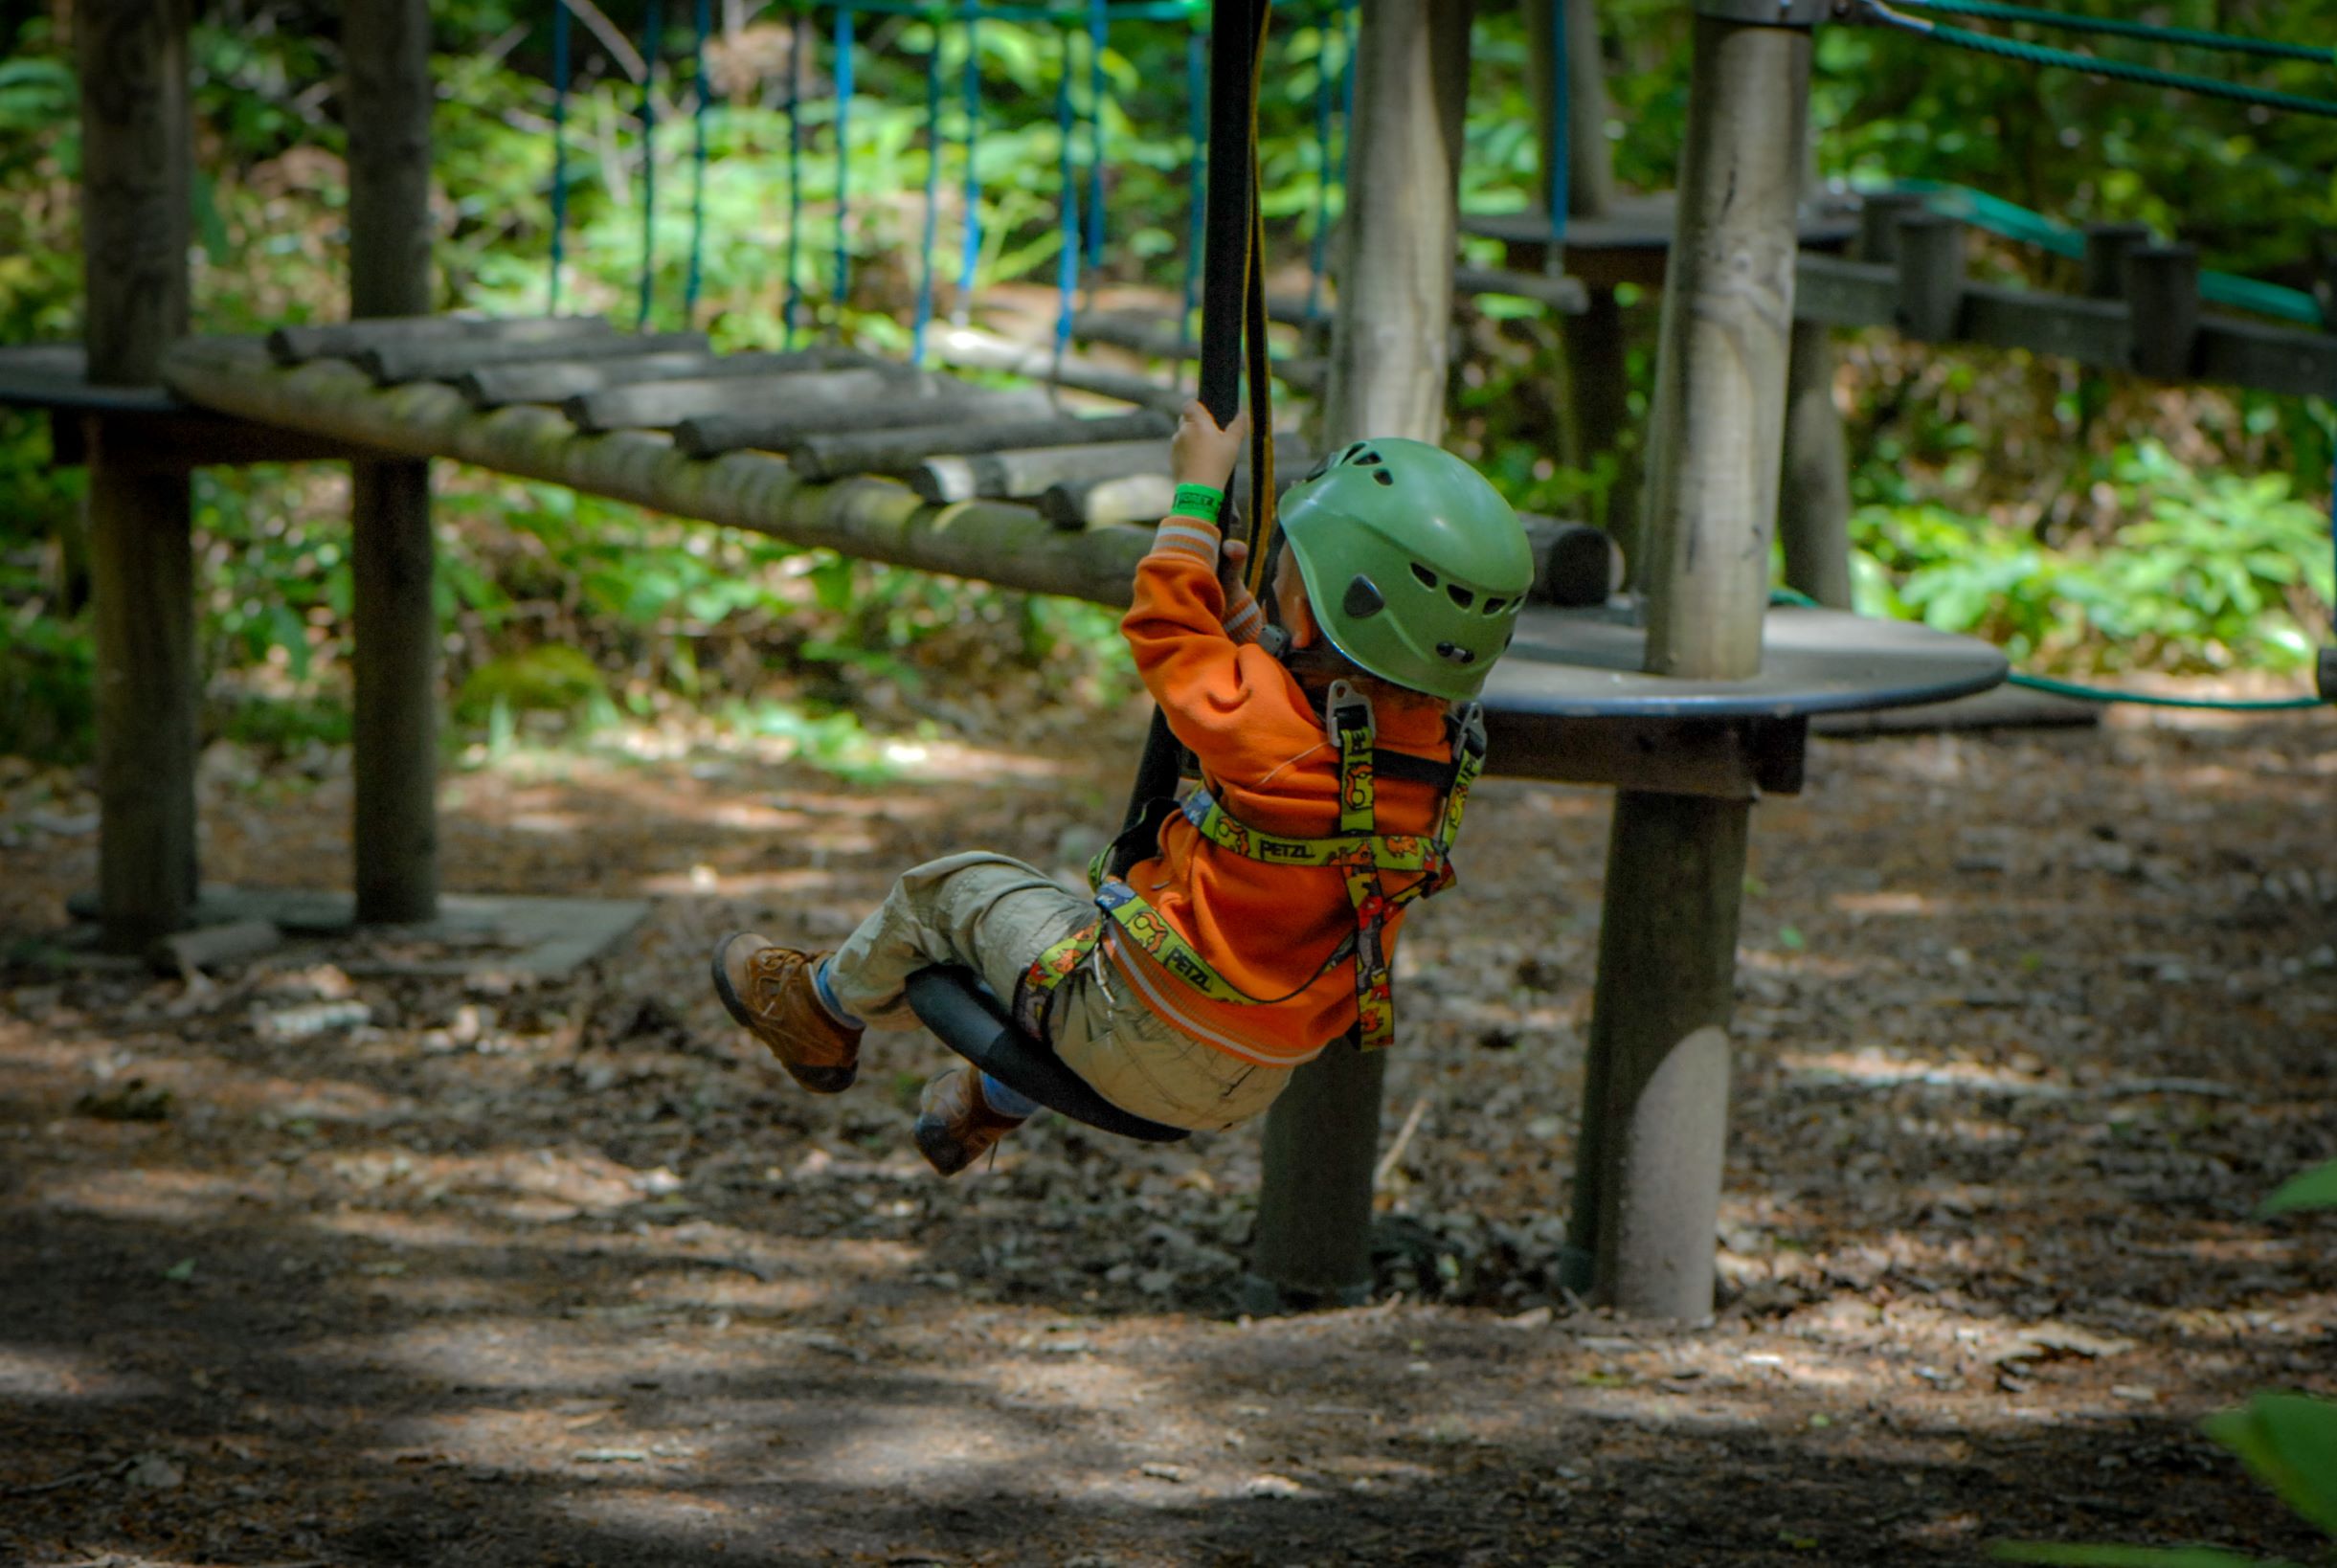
x,y
2015,222
2182,37
2143,699
2029,53
1794,598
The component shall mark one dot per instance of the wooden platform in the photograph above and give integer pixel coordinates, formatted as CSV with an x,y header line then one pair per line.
x,y
2003,708
147,426
1592,664
1569,703
531,938
1628,244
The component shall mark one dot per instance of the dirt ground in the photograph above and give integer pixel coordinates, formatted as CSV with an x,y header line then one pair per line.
x,y
564,1275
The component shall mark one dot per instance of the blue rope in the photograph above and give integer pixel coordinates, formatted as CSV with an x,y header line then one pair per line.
x,y
843,160
1197,181
560,53
1561,154
932,197
1318,247
1066,265
971,88
1099,37
701,21
652,30
798,44
1353,24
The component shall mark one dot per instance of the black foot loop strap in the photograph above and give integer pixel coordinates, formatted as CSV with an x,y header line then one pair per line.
x,y
959,1010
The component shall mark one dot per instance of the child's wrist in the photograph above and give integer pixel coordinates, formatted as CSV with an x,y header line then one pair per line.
x,y
1196,500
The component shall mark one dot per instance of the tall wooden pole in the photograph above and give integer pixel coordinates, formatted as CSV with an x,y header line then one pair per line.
x,y
1813,492
1597,377
395,826
1388,365
1655,1115
136,182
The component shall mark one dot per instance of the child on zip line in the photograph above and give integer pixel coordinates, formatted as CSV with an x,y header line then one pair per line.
x,y
1258,920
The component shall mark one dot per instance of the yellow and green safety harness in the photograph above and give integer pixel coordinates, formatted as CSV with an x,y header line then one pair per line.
x,y
1357,849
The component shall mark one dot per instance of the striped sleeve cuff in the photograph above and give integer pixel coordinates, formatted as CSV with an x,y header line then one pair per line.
x,y
1186,536
1244,618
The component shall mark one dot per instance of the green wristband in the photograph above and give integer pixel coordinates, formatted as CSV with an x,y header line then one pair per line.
x,y
1198,501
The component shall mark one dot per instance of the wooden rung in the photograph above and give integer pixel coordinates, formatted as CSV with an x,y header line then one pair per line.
x,y
977,350
1030,471
785,429
898,451
1559,293
339,340
442,360
1104,503
1137,497
662,405
555,381
1153,336
1575,564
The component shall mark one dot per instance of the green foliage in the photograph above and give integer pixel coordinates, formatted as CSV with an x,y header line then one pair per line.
x,y
2314,1189
2221,572
2290,1443
46,678
2288,1440
834,742
2079,1556
548,677
1967,462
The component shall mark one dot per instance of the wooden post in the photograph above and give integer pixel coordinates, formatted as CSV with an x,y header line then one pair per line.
x,y
1879,216
1597,376
1387,378
1813,492
2107,245
1930,275
2163,302
1655,1100
394,830
136,177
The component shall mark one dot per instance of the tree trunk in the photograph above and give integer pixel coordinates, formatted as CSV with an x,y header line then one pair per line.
x,y
1814,494
394,830
1655,1109
136,176
1388,364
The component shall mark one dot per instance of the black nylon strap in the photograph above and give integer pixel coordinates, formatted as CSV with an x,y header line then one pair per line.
x,y
1231,244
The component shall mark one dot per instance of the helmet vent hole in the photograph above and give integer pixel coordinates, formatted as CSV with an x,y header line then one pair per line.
x,y
1383,475
1364,598
1460,595
1352,453
1428,578
1369,460
1493,607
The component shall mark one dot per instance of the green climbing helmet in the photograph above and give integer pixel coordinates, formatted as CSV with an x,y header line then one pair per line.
x,y
1416,566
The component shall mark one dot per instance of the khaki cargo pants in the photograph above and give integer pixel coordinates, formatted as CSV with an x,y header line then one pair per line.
x,y
995,915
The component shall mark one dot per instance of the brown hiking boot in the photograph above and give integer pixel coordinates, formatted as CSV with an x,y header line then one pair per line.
x,y
955,1126
769,990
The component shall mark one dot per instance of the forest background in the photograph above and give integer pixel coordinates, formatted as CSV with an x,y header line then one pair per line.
x,y
2090,524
